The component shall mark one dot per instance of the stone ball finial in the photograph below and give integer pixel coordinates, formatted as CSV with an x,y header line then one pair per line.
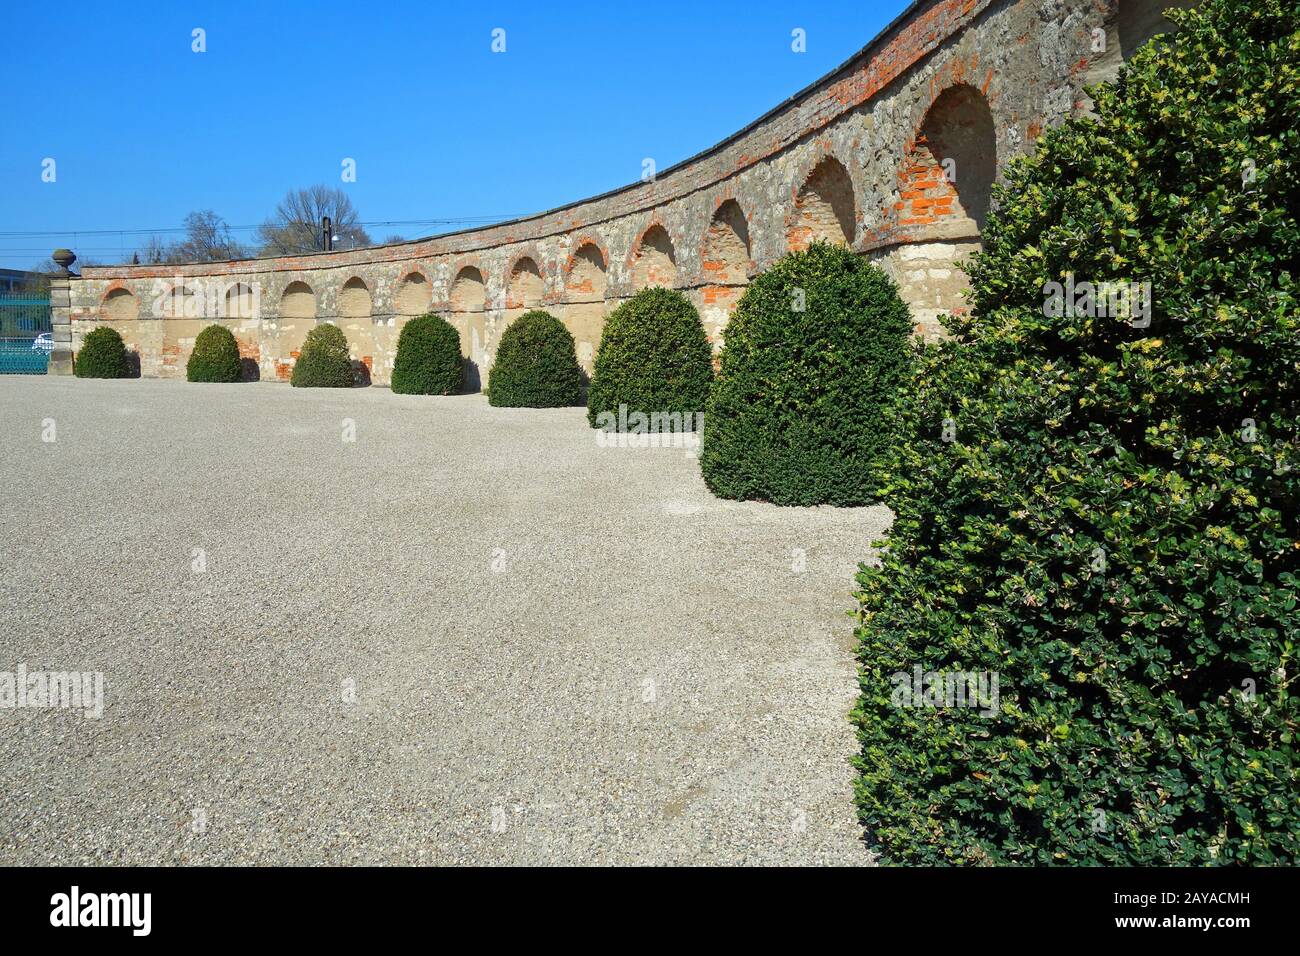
x,y
63,258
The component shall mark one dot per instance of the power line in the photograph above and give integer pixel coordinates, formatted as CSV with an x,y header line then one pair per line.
x,y
173,230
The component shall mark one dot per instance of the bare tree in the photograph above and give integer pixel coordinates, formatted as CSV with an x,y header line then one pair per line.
x,y
155,252
207,239
296,226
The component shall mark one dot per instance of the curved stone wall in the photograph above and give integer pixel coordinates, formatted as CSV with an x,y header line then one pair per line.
x,y
893,153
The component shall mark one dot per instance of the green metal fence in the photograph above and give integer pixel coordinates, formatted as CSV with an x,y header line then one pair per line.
x,y
24,334
23,357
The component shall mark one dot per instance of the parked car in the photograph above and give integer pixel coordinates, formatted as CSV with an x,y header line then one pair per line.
x,y
43,343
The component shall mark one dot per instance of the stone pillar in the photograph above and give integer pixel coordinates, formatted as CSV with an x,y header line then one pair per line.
x,y
61,314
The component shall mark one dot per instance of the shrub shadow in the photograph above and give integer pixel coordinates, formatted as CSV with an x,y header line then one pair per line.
x,y
471,380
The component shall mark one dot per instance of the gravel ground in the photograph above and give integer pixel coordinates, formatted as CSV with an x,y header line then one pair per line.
x,y
561,653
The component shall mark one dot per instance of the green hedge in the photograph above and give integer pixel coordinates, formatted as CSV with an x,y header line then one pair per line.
x,y
804,405
102,355
654,358
428,358
323,361
215,357
1114,530
536,365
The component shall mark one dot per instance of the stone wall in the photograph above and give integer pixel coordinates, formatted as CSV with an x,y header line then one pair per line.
x,y
893,153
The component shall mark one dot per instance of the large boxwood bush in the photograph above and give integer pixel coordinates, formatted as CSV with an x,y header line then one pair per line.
x,y
536,365
215,357
816,354
102,355
1114,528
428,358
654,358
323,361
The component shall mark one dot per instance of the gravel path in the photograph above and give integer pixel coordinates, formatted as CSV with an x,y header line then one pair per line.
x,y
561,653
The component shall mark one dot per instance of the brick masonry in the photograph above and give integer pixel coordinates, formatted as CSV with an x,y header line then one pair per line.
x,y
893,153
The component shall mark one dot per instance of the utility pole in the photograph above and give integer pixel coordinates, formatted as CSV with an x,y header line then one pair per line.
x,y
327,233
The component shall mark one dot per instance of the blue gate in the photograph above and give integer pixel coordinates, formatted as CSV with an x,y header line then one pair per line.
x,y
25,334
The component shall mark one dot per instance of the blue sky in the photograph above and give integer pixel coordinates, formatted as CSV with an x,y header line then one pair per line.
x,y
143,130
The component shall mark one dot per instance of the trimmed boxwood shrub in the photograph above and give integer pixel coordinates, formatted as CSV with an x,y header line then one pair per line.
x,y
536,365
323,361
102,355
653,357
804,404
215,357
428,358
1114,528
